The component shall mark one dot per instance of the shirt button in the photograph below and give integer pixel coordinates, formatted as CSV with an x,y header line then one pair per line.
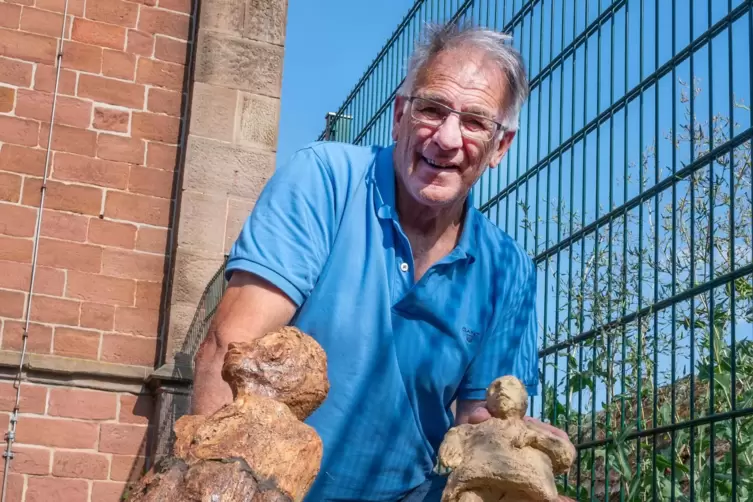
x,y
404,267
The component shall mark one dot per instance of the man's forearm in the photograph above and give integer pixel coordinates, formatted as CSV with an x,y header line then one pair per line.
x,y
249,308
210,391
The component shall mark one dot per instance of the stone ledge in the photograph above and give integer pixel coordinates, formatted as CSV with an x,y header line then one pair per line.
x,y
46,369
171,374
43,363
57,370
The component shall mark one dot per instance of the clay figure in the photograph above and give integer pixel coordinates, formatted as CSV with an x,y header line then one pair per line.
x,y
255,449
503,458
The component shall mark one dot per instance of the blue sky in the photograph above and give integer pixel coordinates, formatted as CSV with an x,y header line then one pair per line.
x,y
329,44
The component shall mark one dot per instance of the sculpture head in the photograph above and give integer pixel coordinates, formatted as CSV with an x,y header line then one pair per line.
x,y
507,397
286,365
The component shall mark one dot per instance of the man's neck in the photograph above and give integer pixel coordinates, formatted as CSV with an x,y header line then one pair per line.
x,y
432,231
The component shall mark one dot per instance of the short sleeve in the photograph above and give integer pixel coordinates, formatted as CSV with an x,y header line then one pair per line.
x,y
511,348
287,237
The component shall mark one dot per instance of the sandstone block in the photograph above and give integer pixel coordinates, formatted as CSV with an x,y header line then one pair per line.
x,y
193,272
238,63
259,117
222,15
237,213
213,111
234,172
265,20
202,222
183,315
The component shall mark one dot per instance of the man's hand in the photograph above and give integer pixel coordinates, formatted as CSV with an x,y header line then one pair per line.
x,y
471,412
547,427
475,412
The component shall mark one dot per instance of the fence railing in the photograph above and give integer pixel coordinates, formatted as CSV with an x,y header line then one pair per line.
x,y
629,183
364,116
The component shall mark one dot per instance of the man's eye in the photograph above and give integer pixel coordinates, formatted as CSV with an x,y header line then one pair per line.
x,y
431,111
474,125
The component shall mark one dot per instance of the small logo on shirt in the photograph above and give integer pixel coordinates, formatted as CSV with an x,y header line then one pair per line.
x,y
470,335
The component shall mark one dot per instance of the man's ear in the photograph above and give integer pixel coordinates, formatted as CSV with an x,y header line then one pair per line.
x,y
397,114
501,146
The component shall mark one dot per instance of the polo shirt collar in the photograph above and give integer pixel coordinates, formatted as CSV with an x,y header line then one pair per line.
x,y
386,207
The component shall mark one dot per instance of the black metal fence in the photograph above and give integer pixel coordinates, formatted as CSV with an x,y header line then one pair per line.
x,y
629,183
202,319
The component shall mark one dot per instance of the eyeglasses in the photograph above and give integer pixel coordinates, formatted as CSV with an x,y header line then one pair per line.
x,y
434,114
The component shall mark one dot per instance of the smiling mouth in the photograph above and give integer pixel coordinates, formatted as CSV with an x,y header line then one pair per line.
x,y
437,165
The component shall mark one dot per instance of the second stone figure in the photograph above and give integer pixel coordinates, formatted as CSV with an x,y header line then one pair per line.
x,y
503,459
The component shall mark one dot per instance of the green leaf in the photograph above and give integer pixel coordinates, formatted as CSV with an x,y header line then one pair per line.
x,y
665,414
634,485
622,462
724,380
663,462
743,289
580,381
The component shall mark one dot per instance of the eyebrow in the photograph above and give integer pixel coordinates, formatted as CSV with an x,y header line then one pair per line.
x,y
473,109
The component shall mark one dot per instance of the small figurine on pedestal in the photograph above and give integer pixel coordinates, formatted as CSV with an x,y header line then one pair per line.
x,y
503,459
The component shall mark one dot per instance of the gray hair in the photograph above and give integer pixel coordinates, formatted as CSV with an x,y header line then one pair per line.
x,y
440,38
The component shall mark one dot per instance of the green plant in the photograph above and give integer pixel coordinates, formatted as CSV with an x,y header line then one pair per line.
x,y
658,387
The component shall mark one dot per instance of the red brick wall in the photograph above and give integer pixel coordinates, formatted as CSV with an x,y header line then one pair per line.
x,y
75,445
102,250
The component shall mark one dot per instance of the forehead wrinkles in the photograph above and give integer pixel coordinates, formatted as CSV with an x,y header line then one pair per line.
x,y
460,72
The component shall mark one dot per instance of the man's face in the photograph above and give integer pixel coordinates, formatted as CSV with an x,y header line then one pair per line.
x,y
437,165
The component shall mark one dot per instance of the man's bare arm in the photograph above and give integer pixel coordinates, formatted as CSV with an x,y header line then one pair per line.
x,y
249,308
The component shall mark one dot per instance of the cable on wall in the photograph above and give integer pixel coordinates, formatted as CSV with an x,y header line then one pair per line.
x,y
10,436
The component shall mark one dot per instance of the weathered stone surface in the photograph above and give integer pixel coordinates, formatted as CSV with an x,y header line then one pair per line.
x,y
182,315
202,222
189,317
286,365
265,20
237,213
222,15
220,169
257,448
504,458
259,117
238,63
215,481
213,111
193,271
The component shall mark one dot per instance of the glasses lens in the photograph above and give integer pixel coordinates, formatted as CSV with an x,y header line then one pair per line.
x,y
426,111
434,114
477,127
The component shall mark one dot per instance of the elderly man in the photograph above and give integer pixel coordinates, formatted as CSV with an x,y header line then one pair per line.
x,y
418,300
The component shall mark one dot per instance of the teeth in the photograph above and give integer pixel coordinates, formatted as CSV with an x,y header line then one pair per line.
x,y
434,164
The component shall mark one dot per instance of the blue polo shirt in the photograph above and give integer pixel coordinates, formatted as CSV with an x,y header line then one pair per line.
x,y
326,232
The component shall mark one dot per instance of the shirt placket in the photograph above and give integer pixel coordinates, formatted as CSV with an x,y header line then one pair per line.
x,y
404,266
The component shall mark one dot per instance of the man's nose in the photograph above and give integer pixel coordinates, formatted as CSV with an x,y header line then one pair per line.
x,y
448,135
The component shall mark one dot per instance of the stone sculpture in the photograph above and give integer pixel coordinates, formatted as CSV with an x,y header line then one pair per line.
x,y
255,449
503,459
